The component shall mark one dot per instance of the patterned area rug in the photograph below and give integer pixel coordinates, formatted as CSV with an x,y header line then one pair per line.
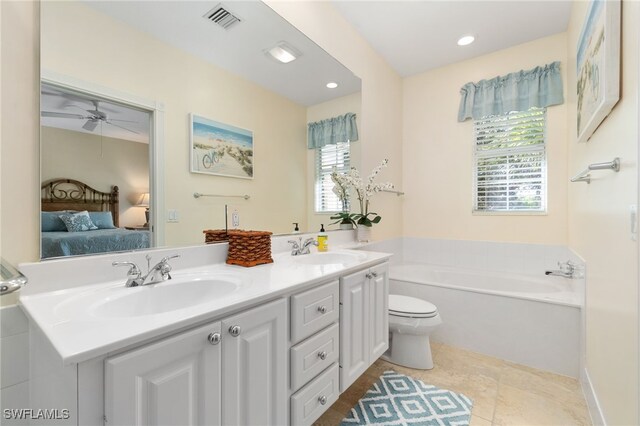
x,y
397,399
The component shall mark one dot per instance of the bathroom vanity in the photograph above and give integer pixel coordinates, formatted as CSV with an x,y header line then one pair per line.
x,y
276,345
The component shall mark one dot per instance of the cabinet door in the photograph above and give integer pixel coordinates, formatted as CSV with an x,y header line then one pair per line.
x,y
354,327
254,364
379,320
173,382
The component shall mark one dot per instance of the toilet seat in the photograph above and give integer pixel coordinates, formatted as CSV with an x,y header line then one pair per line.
x,y
411,307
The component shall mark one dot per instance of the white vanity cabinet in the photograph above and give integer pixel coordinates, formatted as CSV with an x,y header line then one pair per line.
x,y
364,321
232,371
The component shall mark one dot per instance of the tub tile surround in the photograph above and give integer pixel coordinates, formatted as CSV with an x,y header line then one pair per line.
x,y
14,357
503,393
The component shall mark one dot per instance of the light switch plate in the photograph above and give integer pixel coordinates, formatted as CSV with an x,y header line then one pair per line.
x,y
172,216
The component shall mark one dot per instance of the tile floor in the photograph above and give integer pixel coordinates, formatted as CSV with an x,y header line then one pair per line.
x,y
503,393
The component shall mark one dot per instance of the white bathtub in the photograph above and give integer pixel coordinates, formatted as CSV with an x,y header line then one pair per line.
x,y
529,320
550,289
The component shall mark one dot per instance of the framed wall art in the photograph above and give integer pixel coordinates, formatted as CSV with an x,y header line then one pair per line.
x,y
598,66
220,149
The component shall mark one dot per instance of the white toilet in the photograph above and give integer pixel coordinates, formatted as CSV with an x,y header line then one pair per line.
x,y
411,322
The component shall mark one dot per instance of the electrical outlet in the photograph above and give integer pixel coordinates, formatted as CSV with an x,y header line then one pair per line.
x,y
235,219
172,216
633,218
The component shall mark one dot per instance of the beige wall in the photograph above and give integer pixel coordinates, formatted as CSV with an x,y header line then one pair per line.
x,y
599,230
381,123
438,153
186,84
100,163
332,108
20,121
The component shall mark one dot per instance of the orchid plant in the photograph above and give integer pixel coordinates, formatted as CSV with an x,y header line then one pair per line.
x,y
364,190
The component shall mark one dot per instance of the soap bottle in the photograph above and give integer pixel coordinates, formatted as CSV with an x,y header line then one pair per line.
x,y
323,238
296,230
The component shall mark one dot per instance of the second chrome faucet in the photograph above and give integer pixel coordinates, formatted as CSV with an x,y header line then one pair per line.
x,y
156,274
299,247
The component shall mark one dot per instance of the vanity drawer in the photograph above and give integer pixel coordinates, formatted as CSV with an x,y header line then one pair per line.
x,y
314,355
313,310
315,398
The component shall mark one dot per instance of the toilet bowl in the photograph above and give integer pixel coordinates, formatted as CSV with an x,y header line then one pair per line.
x,y
411,322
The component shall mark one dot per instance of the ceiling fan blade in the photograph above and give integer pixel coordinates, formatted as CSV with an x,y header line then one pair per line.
x,y
124,128
90,125
61,115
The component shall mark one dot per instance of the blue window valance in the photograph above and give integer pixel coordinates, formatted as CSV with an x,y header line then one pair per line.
x,y
519,91
332,130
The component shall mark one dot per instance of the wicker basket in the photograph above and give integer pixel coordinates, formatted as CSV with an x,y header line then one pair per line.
x,y
215,235
249,248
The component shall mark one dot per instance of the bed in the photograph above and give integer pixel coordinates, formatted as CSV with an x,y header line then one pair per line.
x,y
60,196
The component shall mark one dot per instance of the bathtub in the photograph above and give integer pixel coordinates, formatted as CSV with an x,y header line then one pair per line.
x,y
526,319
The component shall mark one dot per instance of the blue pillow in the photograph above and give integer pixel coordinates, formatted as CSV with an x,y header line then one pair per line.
x,y
51,222
103,220
77,222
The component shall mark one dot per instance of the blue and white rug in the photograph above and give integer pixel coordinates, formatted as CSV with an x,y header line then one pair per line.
x,y
397,399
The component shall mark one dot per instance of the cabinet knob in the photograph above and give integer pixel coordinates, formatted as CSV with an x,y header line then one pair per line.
x,y
369,275
375,274
322,399
234,330
322,355
214,338
322,309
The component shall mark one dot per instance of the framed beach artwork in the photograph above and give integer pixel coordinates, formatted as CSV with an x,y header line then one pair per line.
x,y
598,66
220,149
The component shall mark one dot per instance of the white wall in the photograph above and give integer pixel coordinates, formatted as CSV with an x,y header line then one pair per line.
x,y
100,163
19,171
438,153
599,229
186,84
332,108
381,124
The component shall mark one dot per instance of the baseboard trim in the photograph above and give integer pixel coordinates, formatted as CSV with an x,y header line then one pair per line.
x,y
595,411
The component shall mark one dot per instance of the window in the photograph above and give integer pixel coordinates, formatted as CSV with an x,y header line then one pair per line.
x,y
510,162
329,157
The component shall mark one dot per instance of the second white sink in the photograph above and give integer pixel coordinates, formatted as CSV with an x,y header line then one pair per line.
x,y
330,258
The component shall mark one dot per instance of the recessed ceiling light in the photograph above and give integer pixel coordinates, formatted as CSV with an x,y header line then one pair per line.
x,y
332,85
466,40
283,52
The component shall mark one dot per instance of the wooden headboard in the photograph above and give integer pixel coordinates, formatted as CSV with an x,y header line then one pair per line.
x,y
69,194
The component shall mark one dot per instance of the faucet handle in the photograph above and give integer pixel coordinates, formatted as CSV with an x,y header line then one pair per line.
x,y
296,244
133,268
168,258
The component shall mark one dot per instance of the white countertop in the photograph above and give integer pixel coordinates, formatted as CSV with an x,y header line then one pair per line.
x,y
78,334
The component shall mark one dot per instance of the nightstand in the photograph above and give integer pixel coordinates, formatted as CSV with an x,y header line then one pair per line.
x,y
137,228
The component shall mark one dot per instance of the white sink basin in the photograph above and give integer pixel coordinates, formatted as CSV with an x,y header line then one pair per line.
x,y
330,258
181,292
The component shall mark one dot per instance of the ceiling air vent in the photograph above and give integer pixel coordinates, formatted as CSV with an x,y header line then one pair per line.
x,y
221,16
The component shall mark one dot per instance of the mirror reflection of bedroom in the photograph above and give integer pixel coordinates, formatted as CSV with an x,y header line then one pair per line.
x,y
94,175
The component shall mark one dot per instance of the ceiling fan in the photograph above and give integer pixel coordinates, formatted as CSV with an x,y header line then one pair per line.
x,y
94,117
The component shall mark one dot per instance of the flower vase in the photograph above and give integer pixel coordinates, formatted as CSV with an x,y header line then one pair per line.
x,y
363,234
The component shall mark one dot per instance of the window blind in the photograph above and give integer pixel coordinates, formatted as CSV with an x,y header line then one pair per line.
x,y
510,162
329,158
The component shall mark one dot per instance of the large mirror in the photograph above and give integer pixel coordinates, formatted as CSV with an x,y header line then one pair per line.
x,y
159,101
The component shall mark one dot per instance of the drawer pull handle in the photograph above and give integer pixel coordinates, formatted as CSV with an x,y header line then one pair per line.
x,y
322,355
322,309
214,338
322,400
234,330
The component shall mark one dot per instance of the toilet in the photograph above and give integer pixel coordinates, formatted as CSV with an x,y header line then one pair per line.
x,y
411,322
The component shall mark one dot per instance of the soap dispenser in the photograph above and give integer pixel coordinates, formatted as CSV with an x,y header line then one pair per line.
x,y
323,244
296,230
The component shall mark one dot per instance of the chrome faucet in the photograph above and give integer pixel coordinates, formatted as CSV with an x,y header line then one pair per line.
x,y
158,273
566,269
299,247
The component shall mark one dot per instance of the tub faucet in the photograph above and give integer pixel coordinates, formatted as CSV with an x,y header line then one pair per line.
x,y
567,270
299,247
158,273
